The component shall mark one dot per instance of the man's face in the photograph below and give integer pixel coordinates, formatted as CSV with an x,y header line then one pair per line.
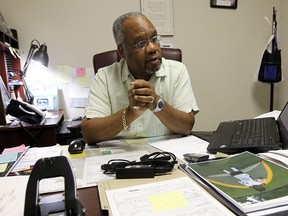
x,y
147,60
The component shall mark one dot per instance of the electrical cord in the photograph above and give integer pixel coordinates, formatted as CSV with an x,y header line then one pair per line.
x,y
33,137
166,156
158,162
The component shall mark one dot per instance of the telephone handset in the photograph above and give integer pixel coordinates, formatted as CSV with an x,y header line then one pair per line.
x,y
25,112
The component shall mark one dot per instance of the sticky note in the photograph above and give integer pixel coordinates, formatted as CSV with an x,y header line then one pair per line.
x,y
20,148
63,74
8,157
83,154
3,167
106,152
167,201
81,72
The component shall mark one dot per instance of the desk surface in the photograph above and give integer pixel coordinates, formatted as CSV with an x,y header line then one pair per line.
x,y
90,198
95,205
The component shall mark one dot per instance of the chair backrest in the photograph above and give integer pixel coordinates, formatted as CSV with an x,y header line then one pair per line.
x,y
109,57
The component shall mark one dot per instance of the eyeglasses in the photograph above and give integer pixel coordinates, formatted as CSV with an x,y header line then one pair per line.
x,y
142,44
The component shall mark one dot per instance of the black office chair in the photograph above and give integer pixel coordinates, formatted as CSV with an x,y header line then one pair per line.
x,y
104,59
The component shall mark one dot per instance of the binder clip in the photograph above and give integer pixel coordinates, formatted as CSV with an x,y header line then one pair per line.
x,y
67,203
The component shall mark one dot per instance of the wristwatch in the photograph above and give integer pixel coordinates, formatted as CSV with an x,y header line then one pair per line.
x,y
159,105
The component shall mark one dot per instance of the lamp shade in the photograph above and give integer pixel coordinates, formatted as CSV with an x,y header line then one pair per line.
x,y
41,55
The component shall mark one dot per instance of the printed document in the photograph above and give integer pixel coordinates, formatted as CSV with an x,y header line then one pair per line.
x,y
180,146
12,195
176,197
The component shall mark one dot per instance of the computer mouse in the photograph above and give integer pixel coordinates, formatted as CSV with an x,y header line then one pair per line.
x,y
76,146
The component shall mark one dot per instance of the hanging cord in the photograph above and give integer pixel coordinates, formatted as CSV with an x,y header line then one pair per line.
x,y
34,138
274,31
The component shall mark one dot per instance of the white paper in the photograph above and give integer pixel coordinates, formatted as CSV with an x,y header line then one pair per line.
x,y
274,114
180,146
175,197
12,195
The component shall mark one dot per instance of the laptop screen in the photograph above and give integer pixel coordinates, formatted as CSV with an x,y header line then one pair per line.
x,y
4,93
283,126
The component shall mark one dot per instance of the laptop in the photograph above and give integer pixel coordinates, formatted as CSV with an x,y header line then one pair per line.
x,y
241,135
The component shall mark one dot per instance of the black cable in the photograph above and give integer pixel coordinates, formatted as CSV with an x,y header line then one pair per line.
x,y
160,162
34,138
166,156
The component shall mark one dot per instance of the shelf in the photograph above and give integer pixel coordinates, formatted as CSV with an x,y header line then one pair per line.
x,y
15,85
8,63
6,39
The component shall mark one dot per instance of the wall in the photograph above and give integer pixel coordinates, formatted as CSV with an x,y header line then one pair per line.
x,y
221,48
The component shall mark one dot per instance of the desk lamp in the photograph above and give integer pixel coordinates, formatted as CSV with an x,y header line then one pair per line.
x,y
41,56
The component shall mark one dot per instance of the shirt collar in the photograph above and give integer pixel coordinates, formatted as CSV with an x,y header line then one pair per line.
x,y
126,74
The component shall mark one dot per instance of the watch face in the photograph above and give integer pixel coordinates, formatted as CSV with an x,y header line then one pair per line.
x,y
160,104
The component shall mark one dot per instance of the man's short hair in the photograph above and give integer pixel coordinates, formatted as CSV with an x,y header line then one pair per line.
x,y
117,26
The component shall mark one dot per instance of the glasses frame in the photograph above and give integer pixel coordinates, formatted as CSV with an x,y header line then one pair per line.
x,y
144,43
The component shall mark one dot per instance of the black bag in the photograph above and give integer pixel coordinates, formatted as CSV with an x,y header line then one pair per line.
x,y
270,68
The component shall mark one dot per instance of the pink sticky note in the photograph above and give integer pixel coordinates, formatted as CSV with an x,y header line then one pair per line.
x,y
20,148
81,72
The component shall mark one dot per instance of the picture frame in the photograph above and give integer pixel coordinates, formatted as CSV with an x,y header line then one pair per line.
x,y
160,13
228,4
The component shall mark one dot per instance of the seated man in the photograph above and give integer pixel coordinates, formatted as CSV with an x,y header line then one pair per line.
x,y
143,95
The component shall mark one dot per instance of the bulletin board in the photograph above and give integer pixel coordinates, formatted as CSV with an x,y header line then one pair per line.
x,y
160,12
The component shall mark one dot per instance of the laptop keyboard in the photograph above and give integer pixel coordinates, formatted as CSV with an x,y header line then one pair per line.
x,y
252,133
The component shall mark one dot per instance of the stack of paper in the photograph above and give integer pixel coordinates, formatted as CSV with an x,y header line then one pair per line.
x,y
10,157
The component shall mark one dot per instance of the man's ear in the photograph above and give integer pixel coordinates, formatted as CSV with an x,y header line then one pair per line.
x,y
121,51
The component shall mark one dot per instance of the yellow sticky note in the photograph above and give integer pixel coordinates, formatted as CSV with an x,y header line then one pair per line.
x,y
83,82
168,201
83,154
3,167
63,74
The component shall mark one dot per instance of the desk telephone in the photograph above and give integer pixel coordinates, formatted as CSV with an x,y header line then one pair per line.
x,y
25,112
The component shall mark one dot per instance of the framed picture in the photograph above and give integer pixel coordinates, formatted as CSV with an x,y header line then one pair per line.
x,y
229,4
160,13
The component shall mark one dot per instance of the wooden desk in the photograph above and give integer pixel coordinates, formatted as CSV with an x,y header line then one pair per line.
x,y
37,135
89,197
